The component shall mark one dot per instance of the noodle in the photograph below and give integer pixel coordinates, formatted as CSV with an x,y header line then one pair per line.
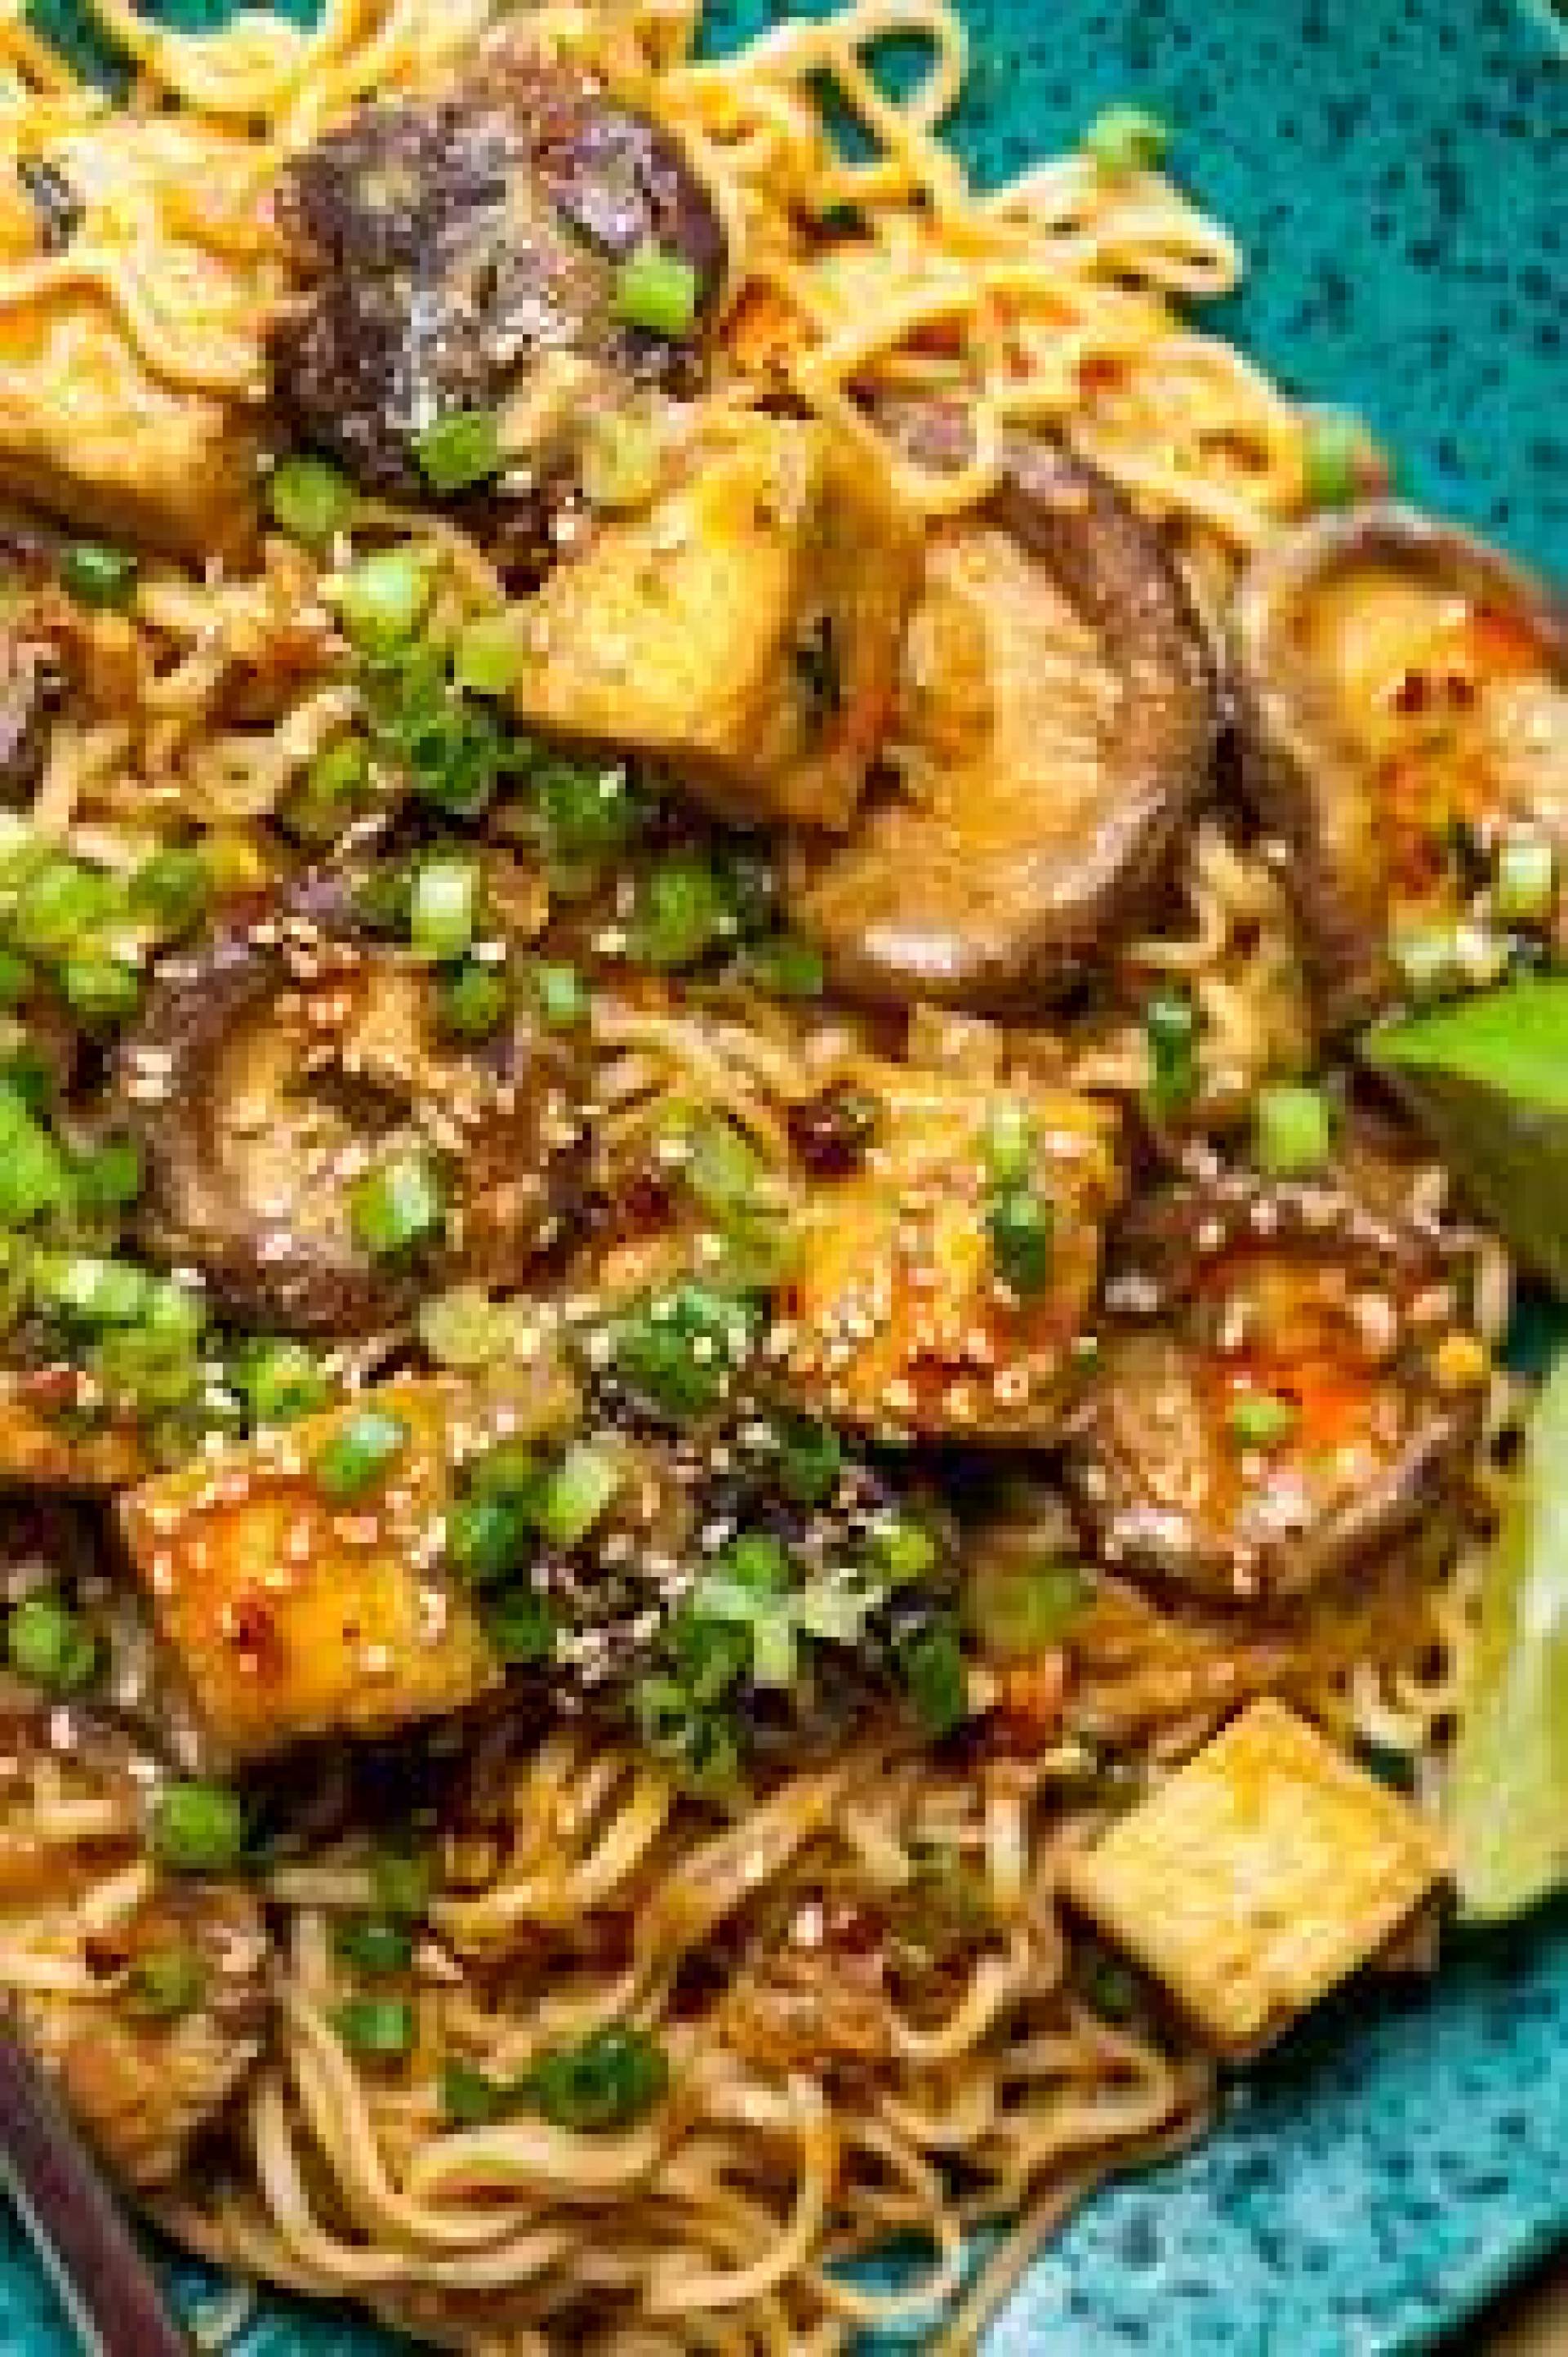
x,y
817,2107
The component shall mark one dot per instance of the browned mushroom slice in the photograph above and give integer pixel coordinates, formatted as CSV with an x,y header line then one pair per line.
x,y
449,248
1404,690
273,1070
1268,1405
1057,724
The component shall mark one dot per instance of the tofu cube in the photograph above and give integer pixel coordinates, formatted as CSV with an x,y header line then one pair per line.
x,y
898,1321
745,629
1267,1870
131,383
294,1613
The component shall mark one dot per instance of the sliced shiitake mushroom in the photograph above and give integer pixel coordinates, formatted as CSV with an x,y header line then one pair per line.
x,y
1267,1408
273,1068
1056,727
1404,699
449,250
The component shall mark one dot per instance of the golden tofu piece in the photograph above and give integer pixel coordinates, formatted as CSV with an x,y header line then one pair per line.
x,y
295,1614
132,376
1265,1872
899,1320
50,1440
745,629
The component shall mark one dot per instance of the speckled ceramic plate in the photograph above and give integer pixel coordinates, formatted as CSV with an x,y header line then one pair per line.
x,y
1398,171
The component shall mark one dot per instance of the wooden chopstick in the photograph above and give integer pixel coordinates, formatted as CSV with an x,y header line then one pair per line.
x,y
74,2223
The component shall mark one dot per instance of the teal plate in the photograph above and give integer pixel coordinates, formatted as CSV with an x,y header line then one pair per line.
x,y
1397,171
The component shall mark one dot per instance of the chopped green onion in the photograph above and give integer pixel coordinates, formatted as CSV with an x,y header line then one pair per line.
x,y
754,1563
612,2079
16,979
374,1943
279,1380
60,905
680,1349
459,450
811,1459
1018,1222
520,1626
486,658
310,500
562,996
166,1984
682,911
1018,1610
1428,960
1170,1031
577,1493
1340,462
835,1610
34,1178
322,805
96,575
508,1471
361,1449
618,460
903,1548
463,1327
721,1169
487,1539
29,1071
50,1645
1526,880
453,750
1292,1131
444,908
1260,1419
172,887
109,1177
199,1827
782,965
385,595
934,1675
585,816
173,1310
398,1206
102,989
379,2027
400,1880
469,2099
657,291
1009,1142
1122,140
473,1002
91,1290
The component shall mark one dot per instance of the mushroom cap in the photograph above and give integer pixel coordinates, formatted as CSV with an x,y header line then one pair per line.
x,y
1393,672
1057,728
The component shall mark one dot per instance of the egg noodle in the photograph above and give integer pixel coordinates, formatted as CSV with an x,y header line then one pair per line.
x,y
818,2113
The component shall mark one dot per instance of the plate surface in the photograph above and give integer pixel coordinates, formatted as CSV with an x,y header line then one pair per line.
x,y
1396,171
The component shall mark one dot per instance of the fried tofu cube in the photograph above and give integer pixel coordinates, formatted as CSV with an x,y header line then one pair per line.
x,y
131,381
293,1612
745,629
49,1440
900,1319
1266,1871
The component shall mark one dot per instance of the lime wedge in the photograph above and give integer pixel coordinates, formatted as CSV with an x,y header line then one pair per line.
x,y
1487,1080
1508,1802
